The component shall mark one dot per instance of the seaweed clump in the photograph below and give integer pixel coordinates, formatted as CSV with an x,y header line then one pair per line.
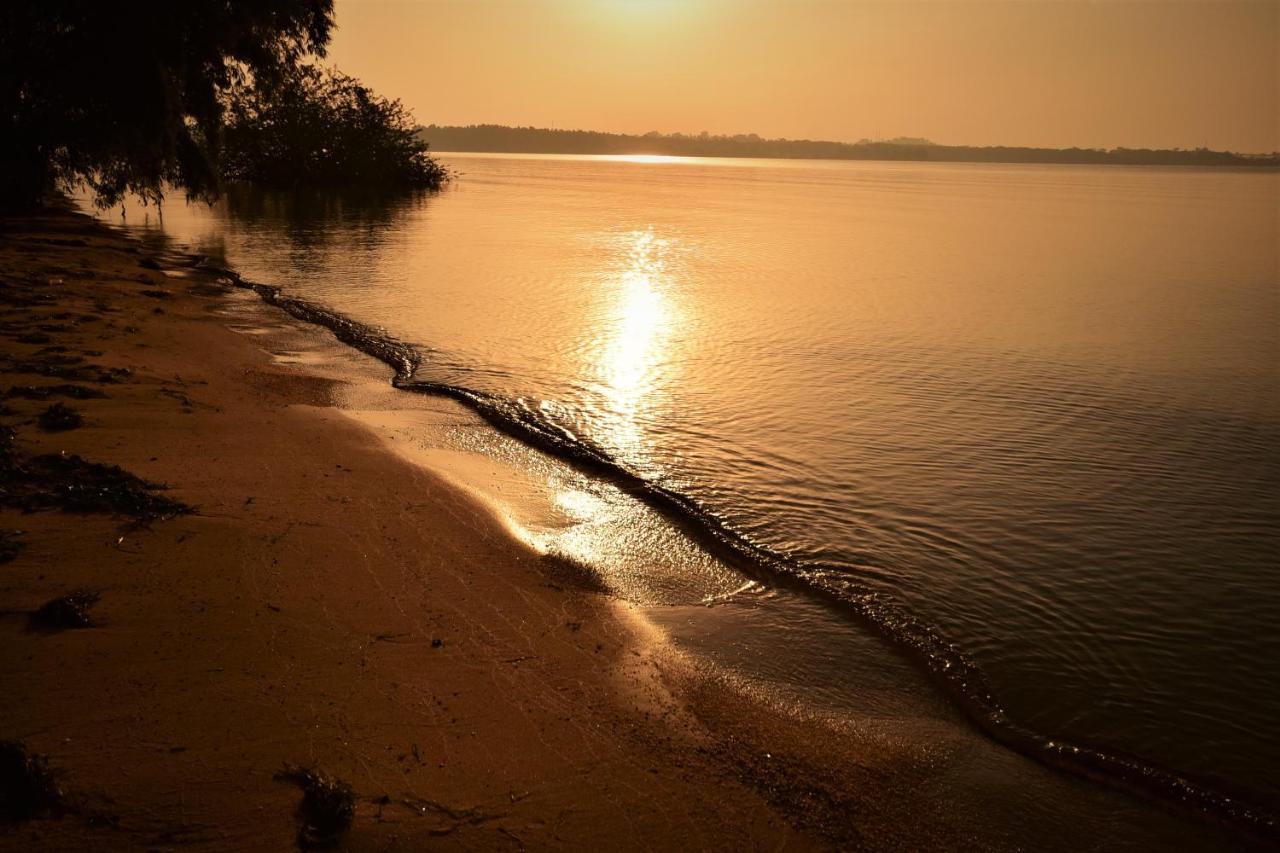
x,y
69,369
327,808
27,786
59,417
67,482
65,613
10,545
567,569
44,392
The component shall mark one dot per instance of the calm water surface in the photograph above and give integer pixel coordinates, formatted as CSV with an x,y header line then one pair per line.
x,y
1036,409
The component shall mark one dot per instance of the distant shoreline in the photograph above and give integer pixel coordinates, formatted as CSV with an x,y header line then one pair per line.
x,y
500,139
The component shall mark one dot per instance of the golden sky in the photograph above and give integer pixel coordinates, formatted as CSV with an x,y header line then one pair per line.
x,y
1145,73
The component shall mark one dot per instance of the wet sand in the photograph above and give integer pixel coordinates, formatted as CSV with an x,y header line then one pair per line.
x,y
327,604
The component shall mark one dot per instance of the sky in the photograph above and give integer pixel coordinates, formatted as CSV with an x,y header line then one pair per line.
x,y
1055,73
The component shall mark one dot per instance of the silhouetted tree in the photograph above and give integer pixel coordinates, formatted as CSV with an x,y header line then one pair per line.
x,y
319,127
126,95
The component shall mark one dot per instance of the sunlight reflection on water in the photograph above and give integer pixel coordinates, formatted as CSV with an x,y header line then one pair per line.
x,y
639,326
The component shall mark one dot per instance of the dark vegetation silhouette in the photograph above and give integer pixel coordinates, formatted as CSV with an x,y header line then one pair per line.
x,y
125,96
320,127
493,137
136,97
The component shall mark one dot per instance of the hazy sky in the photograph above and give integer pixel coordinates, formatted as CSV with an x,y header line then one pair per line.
x,y
1097,74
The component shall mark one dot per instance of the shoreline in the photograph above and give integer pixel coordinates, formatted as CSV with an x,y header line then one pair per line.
x,y
947,668
292,620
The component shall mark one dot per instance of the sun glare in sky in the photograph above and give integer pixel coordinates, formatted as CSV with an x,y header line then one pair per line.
x,y
1056,74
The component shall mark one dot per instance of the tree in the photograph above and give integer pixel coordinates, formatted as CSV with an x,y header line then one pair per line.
x,y
127,95
319,127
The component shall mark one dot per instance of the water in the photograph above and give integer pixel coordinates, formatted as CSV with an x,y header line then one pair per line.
x,y
1025,417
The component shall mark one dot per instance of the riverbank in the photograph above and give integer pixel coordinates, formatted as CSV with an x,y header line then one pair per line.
x,y
325,605
306,598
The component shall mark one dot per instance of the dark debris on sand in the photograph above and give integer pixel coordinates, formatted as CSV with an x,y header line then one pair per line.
x,y
44,392
67,482
10,545
64,613
564,570
69,369
59,417
27,786
327,808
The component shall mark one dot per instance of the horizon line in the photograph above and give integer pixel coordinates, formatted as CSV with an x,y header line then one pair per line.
x,y
901,139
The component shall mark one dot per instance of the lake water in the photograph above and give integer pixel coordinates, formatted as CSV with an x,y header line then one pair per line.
x,y
1025,421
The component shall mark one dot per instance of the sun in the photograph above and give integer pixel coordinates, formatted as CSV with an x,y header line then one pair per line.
x,y
646,9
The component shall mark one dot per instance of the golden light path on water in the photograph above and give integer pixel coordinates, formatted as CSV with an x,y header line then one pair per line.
x,y
621,366
640,328
651,159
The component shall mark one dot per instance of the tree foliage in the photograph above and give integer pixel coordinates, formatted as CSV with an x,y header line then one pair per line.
x,y
128,96
320,127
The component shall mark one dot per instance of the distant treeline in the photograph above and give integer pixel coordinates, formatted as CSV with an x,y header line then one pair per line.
x,y
533,140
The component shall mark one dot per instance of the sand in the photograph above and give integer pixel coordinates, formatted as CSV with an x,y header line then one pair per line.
x,y
327,605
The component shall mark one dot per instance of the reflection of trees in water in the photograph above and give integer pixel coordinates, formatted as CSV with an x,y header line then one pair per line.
x,y
311,217
316,223
146,220
307,228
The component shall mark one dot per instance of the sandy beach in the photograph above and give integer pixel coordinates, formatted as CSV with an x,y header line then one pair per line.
x,y
300,597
